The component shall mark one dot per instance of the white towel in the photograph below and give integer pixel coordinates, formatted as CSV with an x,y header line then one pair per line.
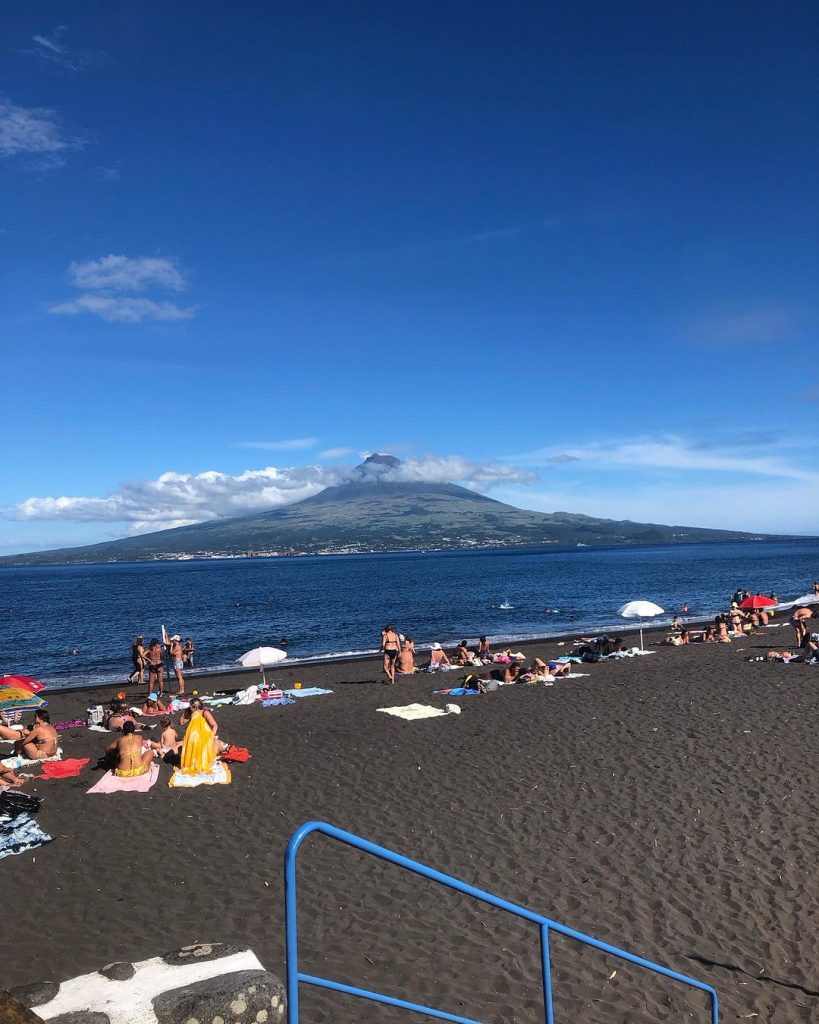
x,y
412,712
20,762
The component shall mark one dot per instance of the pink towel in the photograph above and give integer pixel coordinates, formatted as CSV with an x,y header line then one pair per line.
x,y
111,783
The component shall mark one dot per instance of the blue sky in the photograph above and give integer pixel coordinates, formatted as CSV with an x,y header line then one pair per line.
x,y
564,253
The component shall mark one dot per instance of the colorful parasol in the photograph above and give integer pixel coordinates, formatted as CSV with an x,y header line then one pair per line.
x,y
24,682
18,698
758,601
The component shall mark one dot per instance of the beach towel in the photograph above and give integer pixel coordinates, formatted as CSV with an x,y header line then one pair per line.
x,y
219,776
98,728
457,691
13,802
216,702
20,834
111,783
412,712
308,691
234,753
76,723
63,769
20,762
274,702
247,696
573,675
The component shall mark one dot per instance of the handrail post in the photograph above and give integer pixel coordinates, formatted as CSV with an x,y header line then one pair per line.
x,y
546,967
292,927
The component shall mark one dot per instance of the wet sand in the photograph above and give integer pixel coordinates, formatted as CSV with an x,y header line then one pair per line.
x,y
667,804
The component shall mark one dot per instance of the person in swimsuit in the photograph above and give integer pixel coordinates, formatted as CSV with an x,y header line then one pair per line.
x,y
437,658
40,741
188,652
153,706
154,661
6,731
406,659
799,621
482,650
138,661
131,759
178,661
390,648
117,715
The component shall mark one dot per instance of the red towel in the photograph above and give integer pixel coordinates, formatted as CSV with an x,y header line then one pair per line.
x,y
234,753
63,769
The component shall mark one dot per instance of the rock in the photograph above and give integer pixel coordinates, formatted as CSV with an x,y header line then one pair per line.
x,y
12,1011
35,995
118,971
209,983
249,997
200,953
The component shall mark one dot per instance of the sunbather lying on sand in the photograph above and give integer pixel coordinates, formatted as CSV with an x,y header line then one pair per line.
x,y
117,715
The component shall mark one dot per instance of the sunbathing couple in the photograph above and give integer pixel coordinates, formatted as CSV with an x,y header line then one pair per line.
x,y
36,742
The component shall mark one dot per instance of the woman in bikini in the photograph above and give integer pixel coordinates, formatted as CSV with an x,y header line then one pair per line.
x,y
390,647
132,761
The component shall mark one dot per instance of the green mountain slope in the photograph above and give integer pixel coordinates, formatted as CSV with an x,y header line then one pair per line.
x,y
376,514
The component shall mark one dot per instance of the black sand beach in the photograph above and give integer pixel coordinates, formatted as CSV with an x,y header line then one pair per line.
x,y
667,804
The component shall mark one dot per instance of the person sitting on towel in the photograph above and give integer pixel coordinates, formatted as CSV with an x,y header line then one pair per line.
x,y
438,658
508,674
153,706
482,651
463,656
39,741
169,742
130,757
6,731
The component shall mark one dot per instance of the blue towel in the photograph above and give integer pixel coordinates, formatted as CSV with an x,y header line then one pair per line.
x,y
275,702
459,691
20,834
307,691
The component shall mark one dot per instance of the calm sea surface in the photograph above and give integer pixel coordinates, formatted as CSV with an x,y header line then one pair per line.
x,y
337,604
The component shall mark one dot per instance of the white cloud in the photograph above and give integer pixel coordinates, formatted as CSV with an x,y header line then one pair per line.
x,y
104,279
106,173
291,444
123,309
670,453
34,132
127,274
175,499
339,453
51,48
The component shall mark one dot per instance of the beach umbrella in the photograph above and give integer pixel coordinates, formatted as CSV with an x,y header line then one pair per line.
x,y
640,610
261,656
758,601
18,698
24,682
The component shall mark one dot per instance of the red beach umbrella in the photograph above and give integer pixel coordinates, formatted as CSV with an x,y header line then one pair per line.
x,y
22,682
757,601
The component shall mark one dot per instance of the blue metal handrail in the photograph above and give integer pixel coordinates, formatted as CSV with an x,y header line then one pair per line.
x,y
545,925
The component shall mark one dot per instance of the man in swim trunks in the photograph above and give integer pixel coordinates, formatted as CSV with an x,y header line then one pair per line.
x,y
178,661
154,662
799,621
390,648
40,741
131,761
406,659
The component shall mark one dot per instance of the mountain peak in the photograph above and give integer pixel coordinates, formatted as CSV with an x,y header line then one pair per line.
x,y
376,465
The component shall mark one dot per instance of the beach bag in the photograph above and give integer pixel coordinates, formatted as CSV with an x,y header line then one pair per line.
x,y
93,715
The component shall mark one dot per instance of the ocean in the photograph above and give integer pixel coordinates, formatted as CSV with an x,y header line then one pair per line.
x,y
74,625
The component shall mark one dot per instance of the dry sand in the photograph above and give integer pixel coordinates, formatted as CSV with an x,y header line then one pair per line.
x,y
667,804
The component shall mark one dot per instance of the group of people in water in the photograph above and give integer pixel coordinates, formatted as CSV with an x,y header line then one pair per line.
x,y
150,661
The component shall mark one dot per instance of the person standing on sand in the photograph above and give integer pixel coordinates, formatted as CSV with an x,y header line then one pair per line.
x,y
178,661
154,660
138,661
799,621
390,648
188,652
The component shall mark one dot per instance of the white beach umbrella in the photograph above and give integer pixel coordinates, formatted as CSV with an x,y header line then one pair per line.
x,y
261,656
640,610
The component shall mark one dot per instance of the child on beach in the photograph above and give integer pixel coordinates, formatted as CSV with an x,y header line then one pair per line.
x,y
169,742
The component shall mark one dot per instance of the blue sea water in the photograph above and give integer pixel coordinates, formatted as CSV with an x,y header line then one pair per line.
x,y
337,604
